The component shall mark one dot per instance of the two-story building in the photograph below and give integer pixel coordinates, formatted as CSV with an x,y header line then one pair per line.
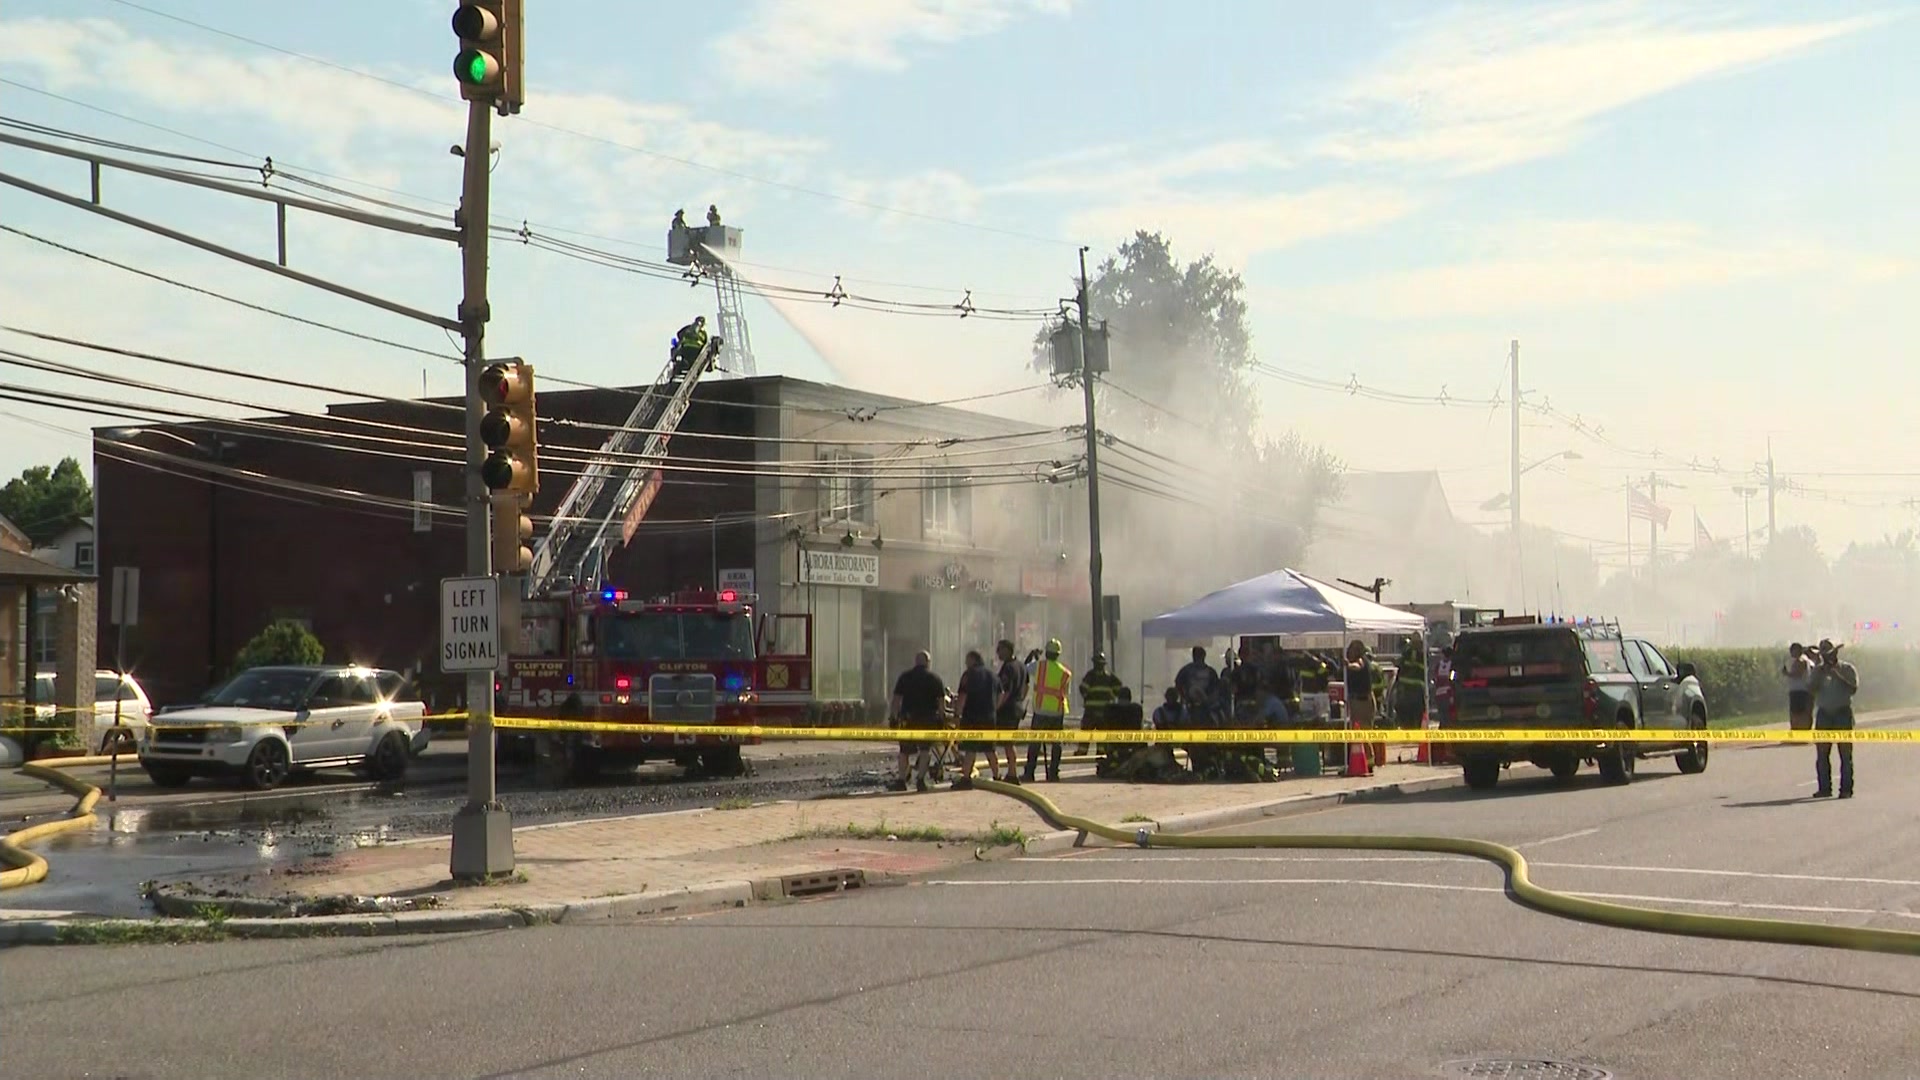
x,y
896,525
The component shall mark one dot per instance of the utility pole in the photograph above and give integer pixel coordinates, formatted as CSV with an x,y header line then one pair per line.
x,y
1773,486
1653,528
1513,489
1746,493
1093,457
488,69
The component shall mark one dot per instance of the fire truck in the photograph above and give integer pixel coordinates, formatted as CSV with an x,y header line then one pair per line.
x,y
588,650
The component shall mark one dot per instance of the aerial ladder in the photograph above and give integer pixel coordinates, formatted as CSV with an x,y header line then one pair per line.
x,y
617,487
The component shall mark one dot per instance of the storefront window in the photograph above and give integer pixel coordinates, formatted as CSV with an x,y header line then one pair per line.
x,y
836,641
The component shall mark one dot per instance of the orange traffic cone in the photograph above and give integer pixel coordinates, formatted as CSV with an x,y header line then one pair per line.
x,y
1357,764
1423,753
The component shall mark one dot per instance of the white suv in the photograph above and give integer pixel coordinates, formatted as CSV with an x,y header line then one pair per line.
x,y
268,723
135,710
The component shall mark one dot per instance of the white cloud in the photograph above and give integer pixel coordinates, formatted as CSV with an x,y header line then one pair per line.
x,y
1238,227
1128,171
1487,87
343,121
936,193
1588,264
796,43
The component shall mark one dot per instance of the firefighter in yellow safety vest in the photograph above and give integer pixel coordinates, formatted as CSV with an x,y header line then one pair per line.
x,y
1050,681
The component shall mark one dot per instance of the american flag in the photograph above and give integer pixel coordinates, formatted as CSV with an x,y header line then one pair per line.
x,y
1702,539
1644,508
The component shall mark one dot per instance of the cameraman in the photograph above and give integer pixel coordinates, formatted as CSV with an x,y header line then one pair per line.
x,y
1833,683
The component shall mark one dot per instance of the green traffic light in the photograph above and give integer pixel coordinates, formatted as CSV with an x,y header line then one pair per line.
x,y
475,68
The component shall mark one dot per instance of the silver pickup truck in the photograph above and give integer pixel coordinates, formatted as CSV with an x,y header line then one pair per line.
x,y
269,723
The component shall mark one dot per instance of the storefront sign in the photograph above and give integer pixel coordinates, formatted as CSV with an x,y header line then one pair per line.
x,y
839,568
1052,582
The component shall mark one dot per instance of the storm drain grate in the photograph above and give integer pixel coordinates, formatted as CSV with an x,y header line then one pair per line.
x,y
1529,1068
826,881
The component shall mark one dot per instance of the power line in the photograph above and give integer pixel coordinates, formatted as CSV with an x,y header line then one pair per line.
x,y
691,163
411,450
270,171
554,421
248,304
445,356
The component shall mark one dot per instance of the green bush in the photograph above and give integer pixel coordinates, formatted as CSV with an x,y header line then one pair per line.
x,y
282,642
1742,681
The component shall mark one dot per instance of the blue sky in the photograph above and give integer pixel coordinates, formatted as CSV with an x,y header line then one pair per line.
x,y
1695,219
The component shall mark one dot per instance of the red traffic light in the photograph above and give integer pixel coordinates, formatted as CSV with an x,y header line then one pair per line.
x,y
504,384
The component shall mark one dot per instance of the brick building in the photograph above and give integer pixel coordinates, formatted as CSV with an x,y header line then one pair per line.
x,y
897,525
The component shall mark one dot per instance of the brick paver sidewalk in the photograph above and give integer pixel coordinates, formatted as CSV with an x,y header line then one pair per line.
x,y
654,853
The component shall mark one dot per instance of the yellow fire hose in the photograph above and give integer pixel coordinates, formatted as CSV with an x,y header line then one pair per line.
x,y
25,867
1519,885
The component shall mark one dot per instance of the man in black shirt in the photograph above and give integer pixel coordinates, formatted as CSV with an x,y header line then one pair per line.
x,y
918,698
975,704
1009,708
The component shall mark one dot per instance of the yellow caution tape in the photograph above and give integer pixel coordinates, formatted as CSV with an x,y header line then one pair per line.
x,y
160,724
1177,736
1214,735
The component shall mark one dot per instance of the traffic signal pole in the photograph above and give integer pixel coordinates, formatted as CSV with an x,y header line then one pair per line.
x,y
482,829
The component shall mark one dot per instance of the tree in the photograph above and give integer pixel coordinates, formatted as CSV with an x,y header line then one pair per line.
x,y
42,501
281,642
1192,497
1179,339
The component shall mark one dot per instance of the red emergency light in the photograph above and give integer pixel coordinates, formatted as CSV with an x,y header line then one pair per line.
x,y
728,596
622,683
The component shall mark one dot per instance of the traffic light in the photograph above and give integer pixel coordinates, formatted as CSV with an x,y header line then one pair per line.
x,y
512,535
508,429
488,65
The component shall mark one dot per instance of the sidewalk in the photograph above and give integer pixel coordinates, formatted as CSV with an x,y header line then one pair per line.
x,y
655,862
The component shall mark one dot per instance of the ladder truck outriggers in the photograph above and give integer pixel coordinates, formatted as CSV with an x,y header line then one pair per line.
x,y
590,650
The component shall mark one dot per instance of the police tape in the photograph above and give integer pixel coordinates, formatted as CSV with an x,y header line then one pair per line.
x,y
1241,736
1175,736
157,724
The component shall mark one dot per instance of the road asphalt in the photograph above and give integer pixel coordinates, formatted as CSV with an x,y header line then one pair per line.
x,y
155,834
1109,962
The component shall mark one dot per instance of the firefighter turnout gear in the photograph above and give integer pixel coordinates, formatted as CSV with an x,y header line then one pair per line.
x,y
1099,690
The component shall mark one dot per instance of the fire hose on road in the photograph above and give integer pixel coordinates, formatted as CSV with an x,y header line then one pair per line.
x,y
1519,884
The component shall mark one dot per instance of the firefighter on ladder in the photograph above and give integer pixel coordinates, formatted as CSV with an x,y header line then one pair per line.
x,y
1050,681
687,345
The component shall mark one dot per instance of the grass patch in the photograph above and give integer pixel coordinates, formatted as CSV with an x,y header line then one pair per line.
x,y
1133,818
738,802
1747,720
1004,836
997,835
158,932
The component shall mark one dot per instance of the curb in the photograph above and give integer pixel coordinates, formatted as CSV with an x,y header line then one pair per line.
x,y
725,894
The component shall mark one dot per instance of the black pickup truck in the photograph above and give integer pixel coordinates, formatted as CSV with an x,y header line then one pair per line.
x,y
1528,675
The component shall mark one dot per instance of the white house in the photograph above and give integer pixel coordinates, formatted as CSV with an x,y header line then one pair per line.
x,y
72,549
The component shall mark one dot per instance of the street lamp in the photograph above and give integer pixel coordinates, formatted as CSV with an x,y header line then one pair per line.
x,y
1504,498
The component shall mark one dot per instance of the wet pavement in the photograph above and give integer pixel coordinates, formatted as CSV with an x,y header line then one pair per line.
x,y
142,838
